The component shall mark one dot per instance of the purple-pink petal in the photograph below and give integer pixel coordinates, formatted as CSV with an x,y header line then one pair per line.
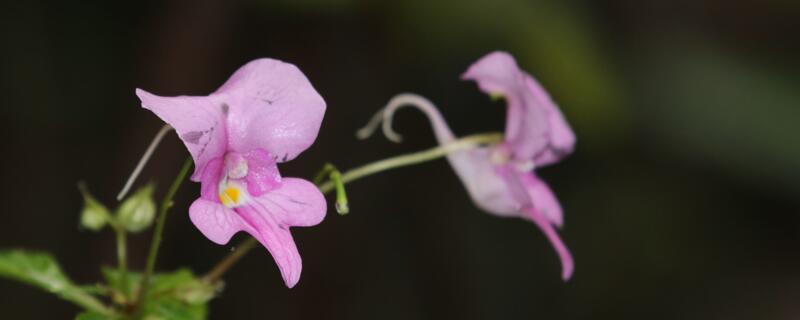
x,y
543,199
561,137
500,187
473,167
273,107
267,104
296,202
215,221
209,179
567,264
263,174
267,112
535,128
199,122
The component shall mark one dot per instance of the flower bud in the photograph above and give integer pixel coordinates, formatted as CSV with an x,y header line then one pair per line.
x,y
137,212
94,216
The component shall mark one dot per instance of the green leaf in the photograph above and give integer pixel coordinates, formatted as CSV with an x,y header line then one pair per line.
x,y
41,270
137,212
37,269
175,295
183,286
173,309
114,279
94,215
178,295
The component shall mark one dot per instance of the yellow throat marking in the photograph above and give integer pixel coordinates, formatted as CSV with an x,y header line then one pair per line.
x,y
230,196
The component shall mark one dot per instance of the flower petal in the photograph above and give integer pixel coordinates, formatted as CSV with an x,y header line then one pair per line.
x,y
209,179
567,264
217,222
535,128
483,183
273,107
562,139
473,167
526,126
263,174
295,203
199,122
543,199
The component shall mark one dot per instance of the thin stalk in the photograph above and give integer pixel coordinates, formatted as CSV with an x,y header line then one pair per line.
x,y
230,260
122,259
351,175
87,301
143,161
166,203
334,175
465,143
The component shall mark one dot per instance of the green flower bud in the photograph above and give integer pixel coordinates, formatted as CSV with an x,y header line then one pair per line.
x,y
94,215
137,212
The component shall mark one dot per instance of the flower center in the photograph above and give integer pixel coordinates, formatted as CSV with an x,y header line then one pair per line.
x,y
232,194
235,166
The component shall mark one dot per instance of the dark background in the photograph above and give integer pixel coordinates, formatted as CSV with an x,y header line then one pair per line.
x,y
681,201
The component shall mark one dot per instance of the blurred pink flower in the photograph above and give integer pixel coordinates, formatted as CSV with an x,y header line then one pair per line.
x,y
500,178
266,113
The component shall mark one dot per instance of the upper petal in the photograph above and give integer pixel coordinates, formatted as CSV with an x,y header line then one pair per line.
x,y
273,107
561,137
535,128
199,122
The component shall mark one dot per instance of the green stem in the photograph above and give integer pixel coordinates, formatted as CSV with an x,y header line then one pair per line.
x,y
335,176
351,175
465,143
86,300
122,259
166,203
228,262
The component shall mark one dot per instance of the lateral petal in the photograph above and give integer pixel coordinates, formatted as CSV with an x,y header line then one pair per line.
x,y
543,198
268,218
215,221
567,264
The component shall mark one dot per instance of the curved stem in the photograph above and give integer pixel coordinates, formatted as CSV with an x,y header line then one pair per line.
x,y
166,203
465,143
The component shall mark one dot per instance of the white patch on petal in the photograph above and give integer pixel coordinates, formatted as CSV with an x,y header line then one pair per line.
x,y
236,166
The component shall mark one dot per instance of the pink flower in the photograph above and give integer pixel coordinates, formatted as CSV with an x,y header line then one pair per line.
x,y
266,113
500,178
